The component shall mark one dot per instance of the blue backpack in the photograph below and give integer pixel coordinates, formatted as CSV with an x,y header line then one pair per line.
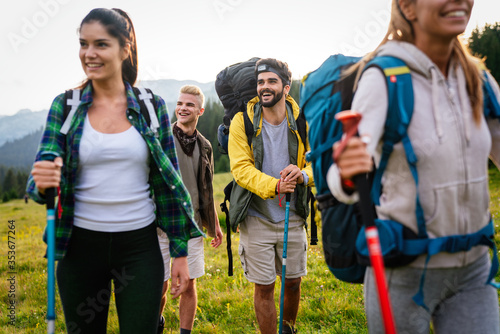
x,y
324,93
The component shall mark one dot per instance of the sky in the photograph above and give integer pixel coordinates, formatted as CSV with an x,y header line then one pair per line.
x,y
187,39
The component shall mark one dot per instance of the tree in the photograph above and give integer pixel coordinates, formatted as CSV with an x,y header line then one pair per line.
x,y
295,90
207,125
13,183
10,182
485,43
22,178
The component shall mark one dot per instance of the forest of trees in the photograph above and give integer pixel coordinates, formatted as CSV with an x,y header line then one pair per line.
x,y
207,125
12,183
485,43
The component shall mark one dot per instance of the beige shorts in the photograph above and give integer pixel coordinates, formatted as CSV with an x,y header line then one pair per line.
x,y
195,258
261,249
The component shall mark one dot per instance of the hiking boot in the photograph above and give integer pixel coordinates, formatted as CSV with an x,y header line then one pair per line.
x,y
288,329
161,325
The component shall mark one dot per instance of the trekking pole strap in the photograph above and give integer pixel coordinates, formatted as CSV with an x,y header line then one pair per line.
x,y
314,227
224,209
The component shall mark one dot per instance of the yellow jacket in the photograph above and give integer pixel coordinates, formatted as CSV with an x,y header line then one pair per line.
x,y
242,160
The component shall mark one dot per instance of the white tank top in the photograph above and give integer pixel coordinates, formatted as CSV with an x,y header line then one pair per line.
x,y
112,189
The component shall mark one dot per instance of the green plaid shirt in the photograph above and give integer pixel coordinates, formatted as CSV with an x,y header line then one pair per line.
x,y
174,212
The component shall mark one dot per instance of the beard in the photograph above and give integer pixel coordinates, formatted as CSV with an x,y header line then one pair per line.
x,y
275,99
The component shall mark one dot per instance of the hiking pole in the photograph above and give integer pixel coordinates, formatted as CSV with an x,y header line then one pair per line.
x,y
223,206
51,243
283,270
350,120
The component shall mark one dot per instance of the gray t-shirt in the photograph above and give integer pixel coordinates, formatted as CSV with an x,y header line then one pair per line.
x,y
188,167
276,158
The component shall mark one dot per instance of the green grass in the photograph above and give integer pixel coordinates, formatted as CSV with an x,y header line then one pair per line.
x,y
225,303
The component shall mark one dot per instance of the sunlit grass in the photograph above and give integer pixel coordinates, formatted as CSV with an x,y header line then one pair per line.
x,y
225,303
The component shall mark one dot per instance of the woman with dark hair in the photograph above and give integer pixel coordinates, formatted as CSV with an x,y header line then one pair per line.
x,y
452,141
118,181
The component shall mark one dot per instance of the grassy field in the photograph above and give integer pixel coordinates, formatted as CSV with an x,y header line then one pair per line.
x,y
225,303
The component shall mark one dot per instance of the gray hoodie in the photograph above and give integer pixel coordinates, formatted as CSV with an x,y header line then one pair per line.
x,y
452,153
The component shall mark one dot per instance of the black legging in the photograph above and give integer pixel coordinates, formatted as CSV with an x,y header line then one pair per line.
x,y
132,260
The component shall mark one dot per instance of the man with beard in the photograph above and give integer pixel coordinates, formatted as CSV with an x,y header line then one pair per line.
x,y
273,165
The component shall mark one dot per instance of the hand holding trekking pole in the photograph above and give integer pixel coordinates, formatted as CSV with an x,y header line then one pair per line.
x,y
50,194
350,122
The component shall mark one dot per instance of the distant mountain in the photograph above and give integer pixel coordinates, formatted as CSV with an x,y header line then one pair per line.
x,y
20,133
20,153
26,121
168,89
20,125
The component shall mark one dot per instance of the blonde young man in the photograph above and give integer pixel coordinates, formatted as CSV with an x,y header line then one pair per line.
x,y
194,153
275,163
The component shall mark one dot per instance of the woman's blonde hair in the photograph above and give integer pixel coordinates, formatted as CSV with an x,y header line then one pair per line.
x,y
400,29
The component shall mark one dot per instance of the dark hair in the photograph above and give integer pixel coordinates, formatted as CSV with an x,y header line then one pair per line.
x,y
281,68
118,25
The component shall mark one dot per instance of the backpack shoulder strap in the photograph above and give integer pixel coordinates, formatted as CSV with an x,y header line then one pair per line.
x,y
400,110
400,95
71,102
249,131
302,128
300,122
148,107
491,104
399,113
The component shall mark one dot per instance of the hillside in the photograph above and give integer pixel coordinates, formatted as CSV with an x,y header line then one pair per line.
x,y
21,124
20,153
169,90
26,121
20,133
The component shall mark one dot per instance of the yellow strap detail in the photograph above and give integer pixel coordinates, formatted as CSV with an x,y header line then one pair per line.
x,y
396,70
303,81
